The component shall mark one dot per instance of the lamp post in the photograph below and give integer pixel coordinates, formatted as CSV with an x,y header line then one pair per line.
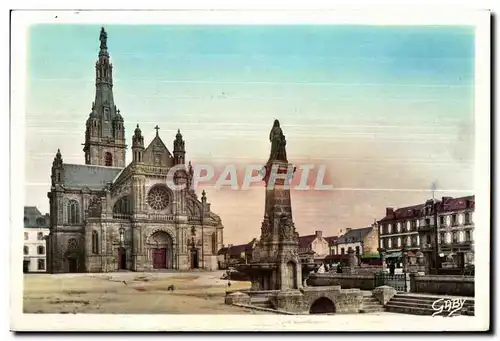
x,y
404,251
229,270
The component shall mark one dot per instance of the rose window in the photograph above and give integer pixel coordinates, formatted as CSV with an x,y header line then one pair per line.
x,y
158,198
72,243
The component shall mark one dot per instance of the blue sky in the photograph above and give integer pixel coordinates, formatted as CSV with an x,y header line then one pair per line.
x,y
383,107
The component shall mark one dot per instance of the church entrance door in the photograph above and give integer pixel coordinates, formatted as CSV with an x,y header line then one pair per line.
x,y
194,259
73,267
122,259
160,258
161,248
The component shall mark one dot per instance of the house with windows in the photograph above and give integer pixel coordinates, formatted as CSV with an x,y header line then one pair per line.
x,y
36,228
414,227
236,254
364,241
317,243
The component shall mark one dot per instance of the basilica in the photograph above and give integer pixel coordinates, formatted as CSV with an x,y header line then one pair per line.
x,y
108,216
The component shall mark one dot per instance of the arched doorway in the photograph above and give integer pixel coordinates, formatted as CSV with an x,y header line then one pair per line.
x,y
162,250
72,263
322,305
122,259
195,259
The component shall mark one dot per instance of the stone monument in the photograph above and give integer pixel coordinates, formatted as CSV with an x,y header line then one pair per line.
x,y
276,267
276,263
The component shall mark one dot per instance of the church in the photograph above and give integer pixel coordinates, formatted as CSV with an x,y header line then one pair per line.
x,y
109,216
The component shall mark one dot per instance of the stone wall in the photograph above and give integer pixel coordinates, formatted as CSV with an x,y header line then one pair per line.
x,y
355,281
444,285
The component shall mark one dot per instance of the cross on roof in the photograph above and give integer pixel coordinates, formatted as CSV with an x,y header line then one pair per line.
x,y
157,128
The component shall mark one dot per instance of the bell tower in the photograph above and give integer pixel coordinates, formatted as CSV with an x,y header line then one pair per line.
x,y
105,133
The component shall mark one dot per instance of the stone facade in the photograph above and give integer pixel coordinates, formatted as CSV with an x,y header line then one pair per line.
x,y
107,216
442,285
275,261
384,294
276,266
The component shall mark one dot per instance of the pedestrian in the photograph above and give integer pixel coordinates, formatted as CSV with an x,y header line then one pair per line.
x,y
339,268
392,268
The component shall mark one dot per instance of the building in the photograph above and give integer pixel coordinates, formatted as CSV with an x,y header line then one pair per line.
x,y
234,254
107,215
364,241
36,229
413,227
316,243
455,224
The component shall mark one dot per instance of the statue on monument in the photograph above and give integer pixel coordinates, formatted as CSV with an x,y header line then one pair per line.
x,y
103,38
278,143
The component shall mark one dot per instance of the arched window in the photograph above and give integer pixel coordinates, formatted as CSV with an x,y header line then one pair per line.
x,y
122,206
25,235
108,159
95,242
39,236
73,212
40,250
26,250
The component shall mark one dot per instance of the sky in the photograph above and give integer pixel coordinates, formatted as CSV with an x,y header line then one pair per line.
x,y
387,110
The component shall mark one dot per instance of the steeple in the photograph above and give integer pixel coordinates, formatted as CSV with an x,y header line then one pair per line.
x,y
57,168
105,132
138,145
179,149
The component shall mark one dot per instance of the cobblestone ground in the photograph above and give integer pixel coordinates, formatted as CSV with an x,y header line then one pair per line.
x,y
129,293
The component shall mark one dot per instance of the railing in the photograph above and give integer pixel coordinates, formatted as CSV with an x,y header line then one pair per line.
x,y
397,281
153,216
121,216
155,169
198,219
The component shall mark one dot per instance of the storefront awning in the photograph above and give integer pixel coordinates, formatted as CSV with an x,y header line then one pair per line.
x,y
394,255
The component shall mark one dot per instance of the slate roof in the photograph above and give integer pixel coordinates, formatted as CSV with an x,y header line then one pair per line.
x,y
237,250
446,204
91,176
354,235
457,204
305,241
405,212
34,218
332,240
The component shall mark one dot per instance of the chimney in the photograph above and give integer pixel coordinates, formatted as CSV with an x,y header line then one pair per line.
x,y
319,234
389,211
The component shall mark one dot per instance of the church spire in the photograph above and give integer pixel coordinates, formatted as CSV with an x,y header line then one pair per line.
x,y
105,123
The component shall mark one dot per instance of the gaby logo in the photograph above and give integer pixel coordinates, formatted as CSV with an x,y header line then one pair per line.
x,y
449,306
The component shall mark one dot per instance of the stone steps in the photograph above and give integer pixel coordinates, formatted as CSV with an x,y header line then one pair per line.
x,y
422,305
262,302
371,305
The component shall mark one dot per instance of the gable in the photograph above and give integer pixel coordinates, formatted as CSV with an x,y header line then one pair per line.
x,y
157,154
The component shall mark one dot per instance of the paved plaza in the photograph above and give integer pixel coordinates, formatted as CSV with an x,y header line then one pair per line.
x,y
130,293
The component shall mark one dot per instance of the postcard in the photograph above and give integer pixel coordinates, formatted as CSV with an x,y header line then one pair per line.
x,y
270,171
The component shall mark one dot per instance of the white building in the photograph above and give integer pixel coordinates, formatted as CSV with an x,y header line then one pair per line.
x,y
36,228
